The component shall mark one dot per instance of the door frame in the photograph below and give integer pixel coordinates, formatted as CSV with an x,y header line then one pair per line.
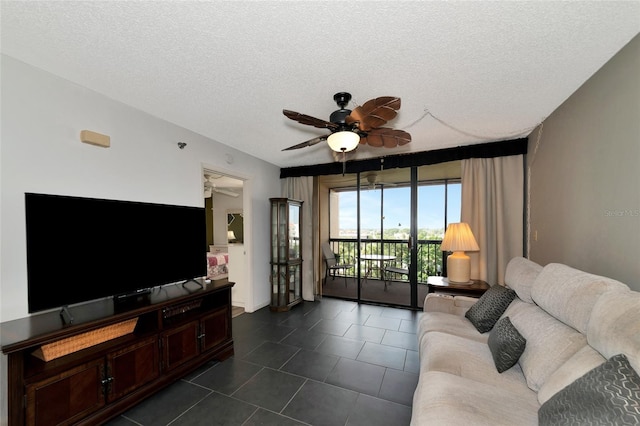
x,y
247,197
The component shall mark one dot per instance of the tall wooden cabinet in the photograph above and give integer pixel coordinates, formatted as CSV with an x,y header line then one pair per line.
x,y
286,253
177,329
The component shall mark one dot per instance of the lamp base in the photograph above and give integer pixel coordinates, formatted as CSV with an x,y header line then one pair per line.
x,y
458,267
447,280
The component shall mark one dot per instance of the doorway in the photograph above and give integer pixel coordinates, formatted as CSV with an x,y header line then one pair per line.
x,y
226,254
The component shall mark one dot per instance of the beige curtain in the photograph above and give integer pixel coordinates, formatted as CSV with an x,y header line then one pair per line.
x,y
492,205
301,188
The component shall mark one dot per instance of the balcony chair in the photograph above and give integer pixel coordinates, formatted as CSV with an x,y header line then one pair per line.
x,y
392,269
333,265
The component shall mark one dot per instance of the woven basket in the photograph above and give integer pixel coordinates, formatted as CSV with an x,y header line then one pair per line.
x,y
81,341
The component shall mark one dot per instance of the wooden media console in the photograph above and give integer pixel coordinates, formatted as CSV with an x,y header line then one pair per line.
x,y
113,355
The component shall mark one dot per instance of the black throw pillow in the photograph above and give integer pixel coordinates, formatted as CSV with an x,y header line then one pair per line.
x,y
607,395
489,307
506,344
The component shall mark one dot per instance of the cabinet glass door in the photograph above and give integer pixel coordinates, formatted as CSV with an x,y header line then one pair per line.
x,y
274,232
294,232
295,287
286,253
282,232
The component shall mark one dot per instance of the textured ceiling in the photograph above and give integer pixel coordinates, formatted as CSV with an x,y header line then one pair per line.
x,y
226,70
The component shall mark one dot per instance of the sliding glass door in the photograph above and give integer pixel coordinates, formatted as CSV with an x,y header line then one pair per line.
x,y
386,228
384,234
438,204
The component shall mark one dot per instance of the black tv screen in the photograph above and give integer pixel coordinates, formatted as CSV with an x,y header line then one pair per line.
x,y
81,249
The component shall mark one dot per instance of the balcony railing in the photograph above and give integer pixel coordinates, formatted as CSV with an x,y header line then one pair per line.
x,y
430,257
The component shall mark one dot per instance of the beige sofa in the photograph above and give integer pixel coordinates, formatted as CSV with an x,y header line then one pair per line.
x,y
572,322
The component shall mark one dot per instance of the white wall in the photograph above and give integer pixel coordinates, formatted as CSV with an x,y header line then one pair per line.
x,y
42,116
585,175
40,151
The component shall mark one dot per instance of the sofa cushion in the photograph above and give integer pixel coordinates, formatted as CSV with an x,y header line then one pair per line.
x,y
489,307
550,343
469,359
579,364
447,303
614,326
506,344
607,395
444,399
450,324
569,294
520,275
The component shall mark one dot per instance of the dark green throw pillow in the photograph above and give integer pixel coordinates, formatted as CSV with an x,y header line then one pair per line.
x,y
506,344
489,307
607,395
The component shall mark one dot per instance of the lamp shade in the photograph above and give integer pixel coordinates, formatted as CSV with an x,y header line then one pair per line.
x,y
343,141
231,236
459,238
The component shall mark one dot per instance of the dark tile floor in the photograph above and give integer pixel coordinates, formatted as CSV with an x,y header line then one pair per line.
x,y
331,362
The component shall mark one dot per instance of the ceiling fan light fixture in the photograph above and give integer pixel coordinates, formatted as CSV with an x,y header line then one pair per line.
x,y
343,141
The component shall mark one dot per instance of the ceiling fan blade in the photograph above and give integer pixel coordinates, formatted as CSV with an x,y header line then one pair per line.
x,y
385,137
308,120
305,144
374,113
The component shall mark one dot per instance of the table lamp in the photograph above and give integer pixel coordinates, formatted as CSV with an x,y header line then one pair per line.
x,y
231,236
459,239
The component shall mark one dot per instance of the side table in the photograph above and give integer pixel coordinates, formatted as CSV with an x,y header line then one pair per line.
x,y
439,284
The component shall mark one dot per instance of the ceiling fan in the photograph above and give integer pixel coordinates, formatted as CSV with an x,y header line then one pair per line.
x,y
374,183
209,187
349,128
369,181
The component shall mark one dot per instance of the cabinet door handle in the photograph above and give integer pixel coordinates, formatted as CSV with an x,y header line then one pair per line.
x,y
106,386
201,336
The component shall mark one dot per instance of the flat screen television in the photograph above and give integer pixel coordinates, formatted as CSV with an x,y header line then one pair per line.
x,y
81,249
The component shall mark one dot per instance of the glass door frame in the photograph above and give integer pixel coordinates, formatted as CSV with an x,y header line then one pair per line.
x,y
413,234
423,233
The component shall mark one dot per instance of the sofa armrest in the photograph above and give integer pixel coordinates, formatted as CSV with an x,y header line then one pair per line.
x,y
458,305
